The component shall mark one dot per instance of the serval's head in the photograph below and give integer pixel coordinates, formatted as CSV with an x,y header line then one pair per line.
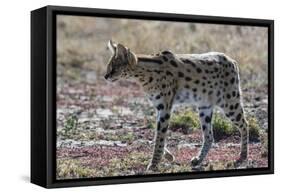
x,y
121,62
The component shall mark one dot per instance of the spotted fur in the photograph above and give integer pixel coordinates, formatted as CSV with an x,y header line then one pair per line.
x,y
205,80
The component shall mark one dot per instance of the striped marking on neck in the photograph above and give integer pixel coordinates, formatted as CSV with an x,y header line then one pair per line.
x,y
150,60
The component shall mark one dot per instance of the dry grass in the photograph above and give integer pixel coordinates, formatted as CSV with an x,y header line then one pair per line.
x,y
82,41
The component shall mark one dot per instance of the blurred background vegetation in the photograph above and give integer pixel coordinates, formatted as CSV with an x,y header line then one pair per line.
x,y
81,41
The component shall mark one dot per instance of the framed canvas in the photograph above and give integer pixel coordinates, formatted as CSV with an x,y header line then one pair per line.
x,y
126,96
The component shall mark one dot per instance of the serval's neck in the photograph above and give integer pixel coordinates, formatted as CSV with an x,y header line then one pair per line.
x,y
145,69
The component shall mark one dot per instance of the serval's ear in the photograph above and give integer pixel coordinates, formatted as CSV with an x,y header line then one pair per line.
x,y
132,58
112,46
121,51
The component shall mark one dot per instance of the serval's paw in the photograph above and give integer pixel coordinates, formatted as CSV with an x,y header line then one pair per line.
x,y
151,167
195,161
169,157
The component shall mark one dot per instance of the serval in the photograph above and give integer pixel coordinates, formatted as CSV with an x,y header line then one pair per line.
x,y
205,80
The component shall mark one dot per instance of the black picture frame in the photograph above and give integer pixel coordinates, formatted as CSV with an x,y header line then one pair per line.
x,y
43,95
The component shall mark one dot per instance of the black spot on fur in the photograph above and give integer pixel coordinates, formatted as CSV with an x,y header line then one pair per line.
x,y
202,61
226,74
157,71
157,97
197,81
218,93
236,105
187,86
204,107
201,114
180,74
232,80
188,79
165,58
173,63
162,119
160,107
164,130
204,90
150,79
158,126
169,73
145,84
188,62
223,58
167,116
228,96
233,93
194,89
210,92
204,127
207,119
195,96
199,70
163,86
238,117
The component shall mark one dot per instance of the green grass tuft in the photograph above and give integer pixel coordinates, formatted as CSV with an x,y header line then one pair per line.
x,y
254,129
70,124
187,120
222,127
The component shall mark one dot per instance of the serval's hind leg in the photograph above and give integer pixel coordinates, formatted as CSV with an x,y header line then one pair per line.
x,y
235,113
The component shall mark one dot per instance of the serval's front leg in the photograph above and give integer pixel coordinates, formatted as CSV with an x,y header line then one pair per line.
x,y
163,117
205,114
